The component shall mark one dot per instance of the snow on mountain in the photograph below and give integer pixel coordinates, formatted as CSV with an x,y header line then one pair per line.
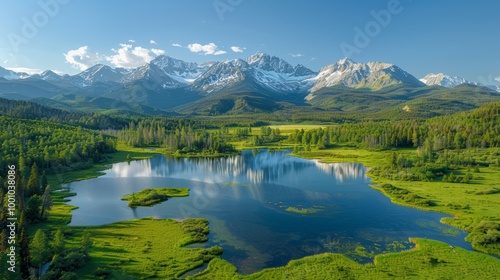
x,y
11,75
260,71
184,72
152,77
444,80
356,75
99,73
269,63
221,75
47,75
494,87
278,75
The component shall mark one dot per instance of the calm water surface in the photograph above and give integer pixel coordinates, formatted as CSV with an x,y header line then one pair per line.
x,y
245,198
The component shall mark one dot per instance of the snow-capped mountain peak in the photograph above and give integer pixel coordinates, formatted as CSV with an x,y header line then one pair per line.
x,y
12,75
444,80
270,63
355,75
345,60
47,75
179,70
99,73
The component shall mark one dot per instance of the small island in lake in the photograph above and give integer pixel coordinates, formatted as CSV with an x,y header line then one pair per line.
x,y
149,197
303,211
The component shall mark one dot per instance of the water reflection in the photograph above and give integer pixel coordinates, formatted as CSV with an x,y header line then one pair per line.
x,y
262,168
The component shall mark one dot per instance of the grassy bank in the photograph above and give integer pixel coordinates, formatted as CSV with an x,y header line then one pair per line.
x,y
429,260
146,248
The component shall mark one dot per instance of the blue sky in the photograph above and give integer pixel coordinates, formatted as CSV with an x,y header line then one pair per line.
x,y
459,38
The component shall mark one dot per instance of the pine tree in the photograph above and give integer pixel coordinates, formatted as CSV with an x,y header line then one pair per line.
x,y
39,249
59,242
33,207
44,183
46,202
33,186
24,253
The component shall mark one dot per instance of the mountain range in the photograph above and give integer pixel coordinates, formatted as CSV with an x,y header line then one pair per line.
x,y
261,83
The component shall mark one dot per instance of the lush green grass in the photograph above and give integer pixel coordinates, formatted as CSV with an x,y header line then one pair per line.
x,y
302,211
286,129
147,248
429,260
149,197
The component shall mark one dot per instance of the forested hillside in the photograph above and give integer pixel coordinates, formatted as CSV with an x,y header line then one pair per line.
x,y
476,128
33,111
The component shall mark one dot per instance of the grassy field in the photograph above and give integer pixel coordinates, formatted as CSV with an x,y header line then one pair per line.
x,y
286,129
149,197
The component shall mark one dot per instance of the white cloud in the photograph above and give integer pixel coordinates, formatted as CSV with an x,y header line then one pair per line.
x,y
131,41
237,49
497,79
153,42
177,45
29,71
60,73
210,48
128,56
82,58
157,51
296,54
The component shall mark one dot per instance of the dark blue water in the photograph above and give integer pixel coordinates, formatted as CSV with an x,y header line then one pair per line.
x,y
245,200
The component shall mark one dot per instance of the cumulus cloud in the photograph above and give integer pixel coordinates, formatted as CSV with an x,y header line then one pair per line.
x,y
177,45
497,79
210,48
237,49
153,42
82,58
296,55
128,56
157,51
131,41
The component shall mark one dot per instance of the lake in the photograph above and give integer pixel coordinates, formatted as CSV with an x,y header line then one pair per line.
x,y
255,204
